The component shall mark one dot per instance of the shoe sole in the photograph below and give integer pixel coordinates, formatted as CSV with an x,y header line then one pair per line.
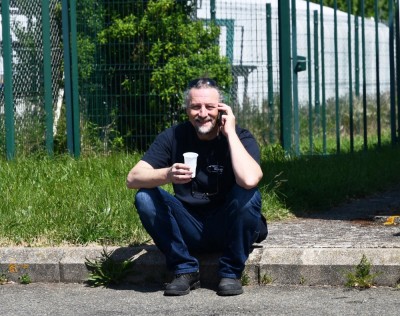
x,y
194,286
230,292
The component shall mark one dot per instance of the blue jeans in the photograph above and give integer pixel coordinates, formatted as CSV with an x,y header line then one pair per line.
x,y
177,231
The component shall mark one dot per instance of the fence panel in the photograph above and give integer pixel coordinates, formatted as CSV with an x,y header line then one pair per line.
x,y
136,57
35,79
333,115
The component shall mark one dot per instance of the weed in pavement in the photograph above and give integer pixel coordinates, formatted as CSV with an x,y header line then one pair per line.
x,y
362,278
25,279
3,278
106,271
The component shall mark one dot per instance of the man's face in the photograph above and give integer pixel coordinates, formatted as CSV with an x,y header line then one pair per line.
x,y
203,112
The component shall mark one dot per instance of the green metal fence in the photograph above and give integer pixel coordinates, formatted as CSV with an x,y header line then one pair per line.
x,y
31,76
108,75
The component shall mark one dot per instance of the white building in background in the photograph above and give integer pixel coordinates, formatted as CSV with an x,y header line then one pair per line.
x,y
250,47
16,21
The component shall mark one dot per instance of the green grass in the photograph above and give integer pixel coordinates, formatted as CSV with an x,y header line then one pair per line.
x,y
309,184
65,201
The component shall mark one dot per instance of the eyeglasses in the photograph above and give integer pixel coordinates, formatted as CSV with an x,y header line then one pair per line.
x,y
199,82
213,170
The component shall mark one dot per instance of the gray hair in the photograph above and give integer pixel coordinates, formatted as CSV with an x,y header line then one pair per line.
x,y
201,83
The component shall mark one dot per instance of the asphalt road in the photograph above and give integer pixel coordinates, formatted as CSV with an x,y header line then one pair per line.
x,y
78,299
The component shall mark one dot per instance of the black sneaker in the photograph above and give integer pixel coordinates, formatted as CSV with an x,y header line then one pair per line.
x,y
182,284
229,286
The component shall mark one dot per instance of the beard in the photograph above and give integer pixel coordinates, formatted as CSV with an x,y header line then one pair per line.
x,y
205,130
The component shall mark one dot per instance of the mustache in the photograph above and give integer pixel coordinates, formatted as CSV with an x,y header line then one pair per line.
x,y
209,119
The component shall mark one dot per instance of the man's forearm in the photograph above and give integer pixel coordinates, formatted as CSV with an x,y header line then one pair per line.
x,y
147,178
247,171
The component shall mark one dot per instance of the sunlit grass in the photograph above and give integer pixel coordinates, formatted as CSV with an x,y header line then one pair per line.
x,y
65,201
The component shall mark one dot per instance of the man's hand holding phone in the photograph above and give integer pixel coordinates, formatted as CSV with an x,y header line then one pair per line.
x,y
219,119
226,119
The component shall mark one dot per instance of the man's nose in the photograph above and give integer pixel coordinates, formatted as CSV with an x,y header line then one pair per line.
x,y
203,111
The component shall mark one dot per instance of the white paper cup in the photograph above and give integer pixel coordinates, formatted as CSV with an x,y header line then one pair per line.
x,y
191,160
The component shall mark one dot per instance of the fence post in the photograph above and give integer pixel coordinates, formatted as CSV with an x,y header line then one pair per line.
x,y
75,85
67,75
397,19
323,104
351,115
310,107
8,80
270,76
285,74
378,91
296,119
356,58
316,75
47,76
71,77
364,87
337,115
392,75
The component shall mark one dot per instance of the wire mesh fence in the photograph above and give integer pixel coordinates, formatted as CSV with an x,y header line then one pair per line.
x,y
135,88
144,53
135,59
27,64
134,96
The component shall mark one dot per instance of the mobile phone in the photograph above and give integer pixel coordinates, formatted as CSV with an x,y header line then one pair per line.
x,y
219,119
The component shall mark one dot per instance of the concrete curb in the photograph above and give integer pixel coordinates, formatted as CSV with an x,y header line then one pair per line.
x,y
328,266
311,266
314,251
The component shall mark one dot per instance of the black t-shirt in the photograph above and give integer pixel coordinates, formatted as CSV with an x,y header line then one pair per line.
x,y
214,173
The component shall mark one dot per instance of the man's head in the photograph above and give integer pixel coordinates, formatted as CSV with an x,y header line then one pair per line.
x,y
201,99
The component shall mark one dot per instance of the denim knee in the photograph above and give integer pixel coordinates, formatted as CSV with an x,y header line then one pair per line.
x,y
145,203
246,201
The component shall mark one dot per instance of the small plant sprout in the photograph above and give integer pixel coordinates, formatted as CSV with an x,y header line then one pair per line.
x,y
397,285
362,278
105,270
266,279
3,278
25,279
245,279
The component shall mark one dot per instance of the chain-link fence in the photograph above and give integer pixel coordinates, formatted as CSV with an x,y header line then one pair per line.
x,y
135,59
28,62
